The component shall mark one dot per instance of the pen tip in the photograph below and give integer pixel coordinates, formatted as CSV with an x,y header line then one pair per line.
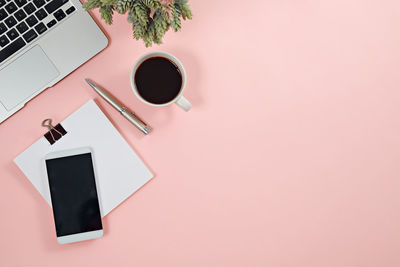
x,y
89,82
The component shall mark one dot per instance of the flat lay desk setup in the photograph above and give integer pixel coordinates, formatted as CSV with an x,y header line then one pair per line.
x,y
273,143
81,166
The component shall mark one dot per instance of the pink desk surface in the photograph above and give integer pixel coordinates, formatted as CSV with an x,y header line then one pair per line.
x,y
289,157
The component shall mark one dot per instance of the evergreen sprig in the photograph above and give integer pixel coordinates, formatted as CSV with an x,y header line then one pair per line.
x,y
140,12
150,19
122,6
152,4
92,4
106,13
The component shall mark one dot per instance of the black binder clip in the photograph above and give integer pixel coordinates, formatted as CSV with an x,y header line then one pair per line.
x,y
55,132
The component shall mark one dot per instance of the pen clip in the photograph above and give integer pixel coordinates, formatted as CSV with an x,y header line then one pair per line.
x,y
137,121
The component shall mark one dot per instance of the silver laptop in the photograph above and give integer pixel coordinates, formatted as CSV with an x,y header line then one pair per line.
x,y
42,41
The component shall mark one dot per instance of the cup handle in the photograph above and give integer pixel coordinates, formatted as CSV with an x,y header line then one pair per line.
x,y
183,103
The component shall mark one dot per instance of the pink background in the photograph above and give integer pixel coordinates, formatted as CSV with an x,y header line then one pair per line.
x,y
289,157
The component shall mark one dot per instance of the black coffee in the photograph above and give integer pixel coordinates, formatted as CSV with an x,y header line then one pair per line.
x,y
158,80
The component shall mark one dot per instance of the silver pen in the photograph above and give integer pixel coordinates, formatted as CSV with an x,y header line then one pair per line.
x,y
130,116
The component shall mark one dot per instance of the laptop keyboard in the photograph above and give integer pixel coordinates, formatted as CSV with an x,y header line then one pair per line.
x,y
22,21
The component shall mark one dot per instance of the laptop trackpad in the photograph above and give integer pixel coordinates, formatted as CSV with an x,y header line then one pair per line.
x,y
22,78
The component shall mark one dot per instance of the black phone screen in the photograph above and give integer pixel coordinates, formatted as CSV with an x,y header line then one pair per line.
x,y
73,194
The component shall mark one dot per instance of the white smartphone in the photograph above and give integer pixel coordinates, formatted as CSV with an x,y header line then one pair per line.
x,y
74,195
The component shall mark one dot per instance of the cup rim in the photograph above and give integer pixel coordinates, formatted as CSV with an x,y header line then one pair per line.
x,y
161,54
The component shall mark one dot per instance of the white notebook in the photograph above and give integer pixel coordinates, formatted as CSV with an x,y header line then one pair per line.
x,y
120,172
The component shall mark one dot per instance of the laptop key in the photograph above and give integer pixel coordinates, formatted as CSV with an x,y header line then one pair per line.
x,y
40,28
2,3
3,14
22,27
41,14
11,49
39,3
31,21
20,15
3,28
29,8
3,41
59,14
20,3
30,35
51,23
10,22
11,8
54,5
70,10
12,34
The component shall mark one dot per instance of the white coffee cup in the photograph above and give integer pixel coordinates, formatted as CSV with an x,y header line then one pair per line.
x,y
180,100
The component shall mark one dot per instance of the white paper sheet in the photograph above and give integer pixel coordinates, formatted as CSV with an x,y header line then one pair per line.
x,y
120,172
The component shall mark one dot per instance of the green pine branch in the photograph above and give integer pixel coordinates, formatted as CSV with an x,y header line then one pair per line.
x,y
109,2
176,17
92,4
152,4
123,5
161,26
150,19
186,12
106,13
